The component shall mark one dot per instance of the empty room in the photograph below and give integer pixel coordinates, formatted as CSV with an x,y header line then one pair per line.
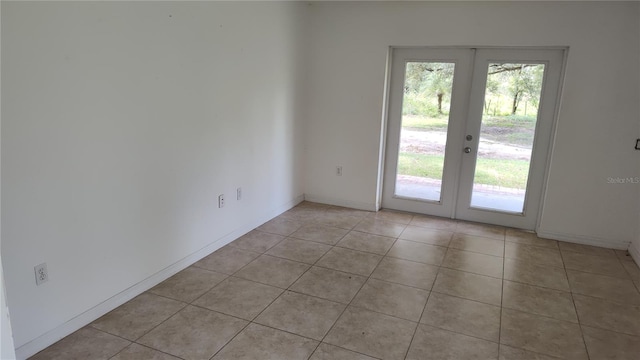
x,y
320,180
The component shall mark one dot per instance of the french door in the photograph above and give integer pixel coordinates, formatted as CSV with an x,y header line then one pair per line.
x,y
469,132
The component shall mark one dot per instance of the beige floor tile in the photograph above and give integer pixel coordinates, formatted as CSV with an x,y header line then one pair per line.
x,y
280,226
380,227
534,241
632,269
486,230
459,319
392,216
542,335
427,236
392,299
540,301
329,284
533,254
86,343
296,211
344,211
136,317
603,265
463,316
538,275
299,250
238,297
470,286
304,216
406,272
585,249
603,344
257,241
424,253
529,238
227,260
608,315
193,333
310,205
320,233
301,314
433,222
338,220
474,262
605,287
273,271
351,261
430,343
371,333
258,342
376,244
477,244
511,353
139,352
330,352
189,284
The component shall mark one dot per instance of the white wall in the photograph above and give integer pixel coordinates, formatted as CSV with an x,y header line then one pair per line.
x,y
634,248
121,124
597,125
7,348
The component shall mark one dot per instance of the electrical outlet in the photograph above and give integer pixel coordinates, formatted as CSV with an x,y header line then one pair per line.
x,y
42,275
221,201
239,193
339,170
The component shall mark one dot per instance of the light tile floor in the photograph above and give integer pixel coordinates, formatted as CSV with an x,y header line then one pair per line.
x,y
321,283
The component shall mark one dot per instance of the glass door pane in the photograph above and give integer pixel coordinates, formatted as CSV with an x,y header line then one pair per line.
x,y
511,100
426,105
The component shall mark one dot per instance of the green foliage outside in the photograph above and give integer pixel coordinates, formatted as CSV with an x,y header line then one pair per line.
x,y
511,89
427,88
509,117
496,172
512,129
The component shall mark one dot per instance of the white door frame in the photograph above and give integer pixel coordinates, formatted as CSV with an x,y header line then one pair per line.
x,y
460,93
455,202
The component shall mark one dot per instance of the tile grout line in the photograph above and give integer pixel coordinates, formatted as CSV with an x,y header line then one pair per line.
x,y
415,331
266,307
324,210
504,262
249,322
345,308
348,304
575,308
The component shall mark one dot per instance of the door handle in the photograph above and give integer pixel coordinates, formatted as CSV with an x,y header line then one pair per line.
x,y
467,150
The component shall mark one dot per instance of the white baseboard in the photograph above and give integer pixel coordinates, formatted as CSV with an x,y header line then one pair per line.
x,y
584,240
634,250
341,202
43,341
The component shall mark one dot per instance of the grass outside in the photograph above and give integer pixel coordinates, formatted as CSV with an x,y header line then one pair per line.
x,y
425,123
516,130
497,172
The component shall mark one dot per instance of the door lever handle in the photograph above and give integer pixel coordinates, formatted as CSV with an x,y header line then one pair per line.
x,y
467,150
